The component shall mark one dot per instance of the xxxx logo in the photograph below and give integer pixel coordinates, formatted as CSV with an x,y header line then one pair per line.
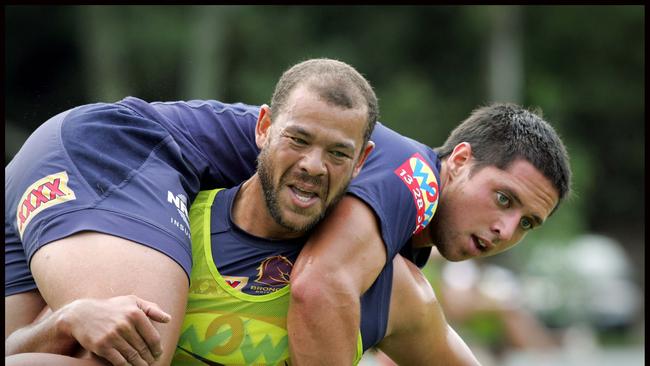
x,y
45,192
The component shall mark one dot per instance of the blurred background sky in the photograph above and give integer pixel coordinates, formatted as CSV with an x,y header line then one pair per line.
x,y
581,276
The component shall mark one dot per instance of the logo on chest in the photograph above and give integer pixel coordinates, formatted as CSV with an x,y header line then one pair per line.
x,y
273,273
236,282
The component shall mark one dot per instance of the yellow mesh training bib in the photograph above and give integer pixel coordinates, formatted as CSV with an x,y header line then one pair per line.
x,y
222,325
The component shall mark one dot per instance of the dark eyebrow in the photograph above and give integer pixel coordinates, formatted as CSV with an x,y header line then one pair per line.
x,y
344,146
538,220
304,133
298,131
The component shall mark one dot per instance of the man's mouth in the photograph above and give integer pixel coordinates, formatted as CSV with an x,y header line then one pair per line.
x,y
303,195
481,244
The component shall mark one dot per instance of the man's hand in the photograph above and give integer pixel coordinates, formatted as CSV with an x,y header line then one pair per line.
x,y
118,329
91,265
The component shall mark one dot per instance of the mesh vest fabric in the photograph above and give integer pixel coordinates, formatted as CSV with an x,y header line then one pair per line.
x,y
222,325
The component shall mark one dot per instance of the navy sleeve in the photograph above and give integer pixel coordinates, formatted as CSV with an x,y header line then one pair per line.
x,y
400,183
216,139
224,135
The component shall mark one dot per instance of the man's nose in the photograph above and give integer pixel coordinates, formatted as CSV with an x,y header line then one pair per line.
x,y
506,227
312,162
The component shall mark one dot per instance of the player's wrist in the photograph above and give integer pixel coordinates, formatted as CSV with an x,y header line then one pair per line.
x,y
65,320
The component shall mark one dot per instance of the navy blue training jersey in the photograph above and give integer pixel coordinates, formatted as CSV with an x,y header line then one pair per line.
x,y
132,168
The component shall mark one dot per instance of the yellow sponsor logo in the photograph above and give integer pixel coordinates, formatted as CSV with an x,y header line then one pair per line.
x,y
45,192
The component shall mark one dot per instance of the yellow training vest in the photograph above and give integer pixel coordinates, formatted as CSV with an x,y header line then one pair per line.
x,y
222,325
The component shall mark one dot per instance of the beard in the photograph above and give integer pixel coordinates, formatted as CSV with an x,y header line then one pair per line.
x,y
265,168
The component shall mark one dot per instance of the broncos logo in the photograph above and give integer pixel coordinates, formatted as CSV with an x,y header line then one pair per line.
x,y
274,271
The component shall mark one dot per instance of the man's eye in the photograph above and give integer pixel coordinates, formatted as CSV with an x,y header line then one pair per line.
x,y
298,140
339,155
526,223
503,200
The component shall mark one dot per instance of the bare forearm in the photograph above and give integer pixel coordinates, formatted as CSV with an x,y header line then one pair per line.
x,y
417,332
45,336
48,359
460,354
341,260
428,346
323,328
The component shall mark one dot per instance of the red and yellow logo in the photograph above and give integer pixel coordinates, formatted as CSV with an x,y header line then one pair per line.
x,y
418,176
45,192
236,282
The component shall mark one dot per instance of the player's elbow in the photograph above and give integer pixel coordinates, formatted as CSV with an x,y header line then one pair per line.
x,y
313,292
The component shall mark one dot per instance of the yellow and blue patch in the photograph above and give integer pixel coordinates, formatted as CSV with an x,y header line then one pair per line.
x,y
421,181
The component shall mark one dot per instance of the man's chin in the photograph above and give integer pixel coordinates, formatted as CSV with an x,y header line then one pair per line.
x,y
301,224
452,256
455,259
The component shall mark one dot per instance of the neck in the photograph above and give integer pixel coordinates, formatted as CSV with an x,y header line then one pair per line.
x,y
422,239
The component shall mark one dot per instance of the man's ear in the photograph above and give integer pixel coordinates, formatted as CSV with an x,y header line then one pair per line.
x,y
263,126
459,158
362,158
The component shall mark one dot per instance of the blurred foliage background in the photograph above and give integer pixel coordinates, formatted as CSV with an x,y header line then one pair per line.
x,y
430,66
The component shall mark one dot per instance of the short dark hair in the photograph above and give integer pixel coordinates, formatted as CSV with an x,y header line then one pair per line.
x,y
503,132
335,81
